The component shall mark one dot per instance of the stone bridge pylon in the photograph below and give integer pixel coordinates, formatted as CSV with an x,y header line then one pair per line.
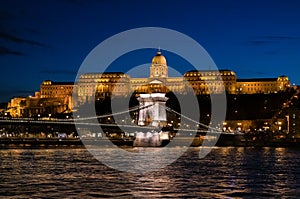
x,y
155,113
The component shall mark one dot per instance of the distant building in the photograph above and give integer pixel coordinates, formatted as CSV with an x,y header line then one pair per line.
x,y
15,106
212,81
59,90
262,85
104,84
55,97
293,122
99,85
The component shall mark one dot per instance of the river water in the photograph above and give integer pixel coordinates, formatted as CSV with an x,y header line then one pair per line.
x,y
227,172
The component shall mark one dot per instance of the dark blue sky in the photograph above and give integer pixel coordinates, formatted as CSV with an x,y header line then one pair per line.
x,y
49,39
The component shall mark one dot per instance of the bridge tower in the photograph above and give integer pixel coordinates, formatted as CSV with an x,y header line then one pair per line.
x,y
155,114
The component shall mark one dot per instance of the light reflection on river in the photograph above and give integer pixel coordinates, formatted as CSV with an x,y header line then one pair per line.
x,y
234,172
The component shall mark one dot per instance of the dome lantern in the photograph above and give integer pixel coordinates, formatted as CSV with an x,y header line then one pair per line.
x,y
159,59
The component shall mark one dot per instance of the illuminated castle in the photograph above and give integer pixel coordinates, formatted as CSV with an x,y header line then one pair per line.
x,y
99,85
58,96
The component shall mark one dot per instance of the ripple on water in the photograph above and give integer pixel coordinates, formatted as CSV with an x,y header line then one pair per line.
x,y
225,172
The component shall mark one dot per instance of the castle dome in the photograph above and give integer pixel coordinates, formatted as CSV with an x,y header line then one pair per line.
x,y
159,59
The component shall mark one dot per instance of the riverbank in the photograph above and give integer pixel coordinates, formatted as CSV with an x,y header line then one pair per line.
x,y
223,141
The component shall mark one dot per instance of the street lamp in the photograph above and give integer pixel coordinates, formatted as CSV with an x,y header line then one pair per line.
x,y
224,126
279,128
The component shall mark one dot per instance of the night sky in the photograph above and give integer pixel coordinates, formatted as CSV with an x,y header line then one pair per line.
x,y
42,40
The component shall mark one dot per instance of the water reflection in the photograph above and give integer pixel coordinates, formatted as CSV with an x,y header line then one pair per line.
x,y
225,172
